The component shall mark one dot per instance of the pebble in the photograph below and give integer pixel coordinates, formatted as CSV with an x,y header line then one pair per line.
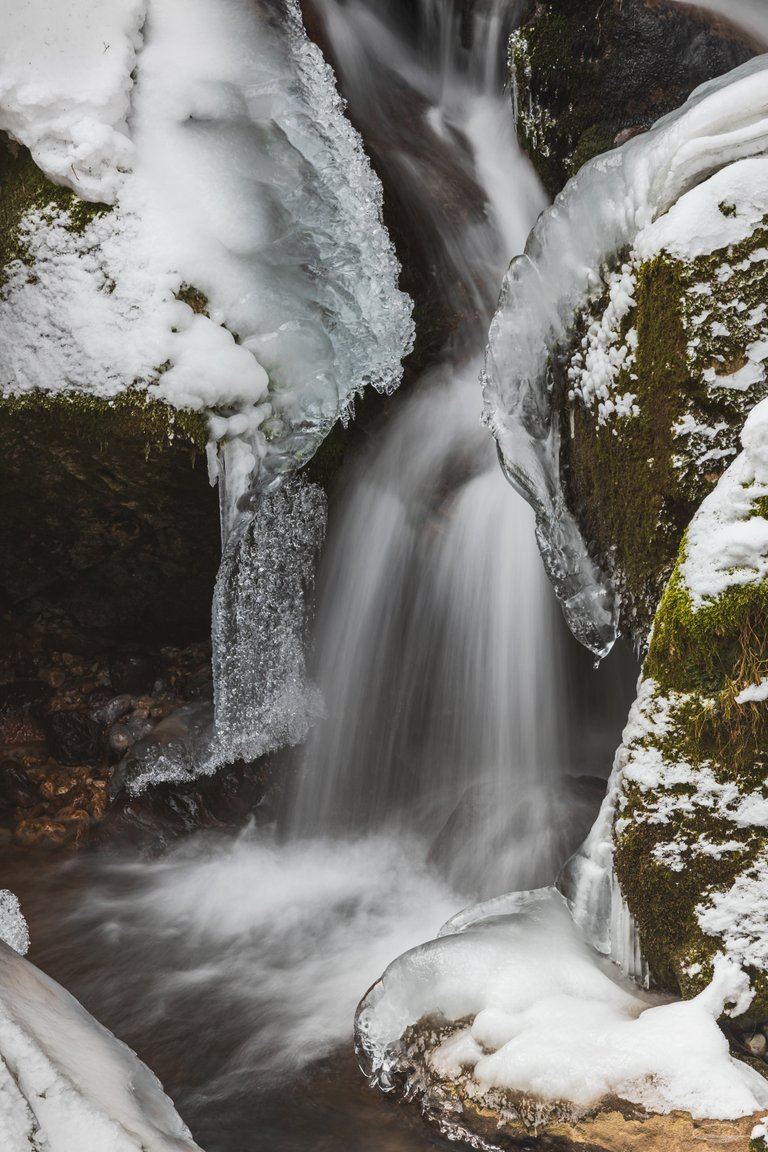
x,y
120,739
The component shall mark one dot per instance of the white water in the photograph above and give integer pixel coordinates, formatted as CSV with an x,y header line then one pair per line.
x,y
439,647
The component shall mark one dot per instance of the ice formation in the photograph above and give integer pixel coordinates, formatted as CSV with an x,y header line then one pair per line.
x,y
66,1083
511,1007
13,927
601,212
216,134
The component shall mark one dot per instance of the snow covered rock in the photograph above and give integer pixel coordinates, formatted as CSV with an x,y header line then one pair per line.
x,y
242,270
628,349
66,1083
508,1025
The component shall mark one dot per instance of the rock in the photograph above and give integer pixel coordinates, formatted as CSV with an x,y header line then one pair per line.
x,y
43,833
21,703
73,737
17,790
120,739
132,671
590,74
107,712
756,1044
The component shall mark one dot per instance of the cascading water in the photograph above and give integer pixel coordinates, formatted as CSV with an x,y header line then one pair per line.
x,y
439,646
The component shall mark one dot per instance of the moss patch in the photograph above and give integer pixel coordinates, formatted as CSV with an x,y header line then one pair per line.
x,y
715,753
23,189
634,482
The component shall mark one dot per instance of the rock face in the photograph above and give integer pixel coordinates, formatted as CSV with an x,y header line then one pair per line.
x,y
590,74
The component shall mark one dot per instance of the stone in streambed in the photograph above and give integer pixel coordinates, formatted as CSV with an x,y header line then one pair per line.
x,y
73,737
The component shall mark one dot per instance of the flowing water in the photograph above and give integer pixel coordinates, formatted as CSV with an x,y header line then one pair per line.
x,y
450,764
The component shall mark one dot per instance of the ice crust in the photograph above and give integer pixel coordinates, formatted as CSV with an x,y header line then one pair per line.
x,y
13,927
601,211
216,131
66,1083
551,1020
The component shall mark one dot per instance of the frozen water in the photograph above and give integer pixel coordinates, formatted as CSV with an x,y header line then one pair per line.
x,y
13,926
66,1083
600,211
523,989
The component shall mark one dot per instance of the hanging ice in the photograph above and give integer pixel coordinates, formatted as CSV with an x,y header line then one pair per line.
x,y
598,213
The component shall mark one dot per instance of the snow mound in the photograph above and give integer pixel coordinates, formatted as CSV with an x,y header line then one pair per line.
x,y
66,1083
514,1006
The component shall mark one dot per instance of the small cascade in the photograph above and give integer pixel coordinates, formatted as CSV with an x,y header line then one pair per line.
x,y
439,649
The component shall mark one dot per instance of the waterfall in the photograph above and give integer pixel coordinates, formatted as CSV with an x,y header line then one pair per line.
x,y
439,649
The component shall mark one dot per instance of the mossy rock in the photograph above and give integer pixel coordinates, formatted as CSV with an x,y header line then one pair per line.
x,y
23,189
680,840
634,481
588,73
108,516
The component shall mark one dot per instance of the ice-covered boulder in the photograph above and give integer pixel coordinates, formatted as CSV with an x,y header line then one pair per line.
x,y
509,1025
628,347
66,1083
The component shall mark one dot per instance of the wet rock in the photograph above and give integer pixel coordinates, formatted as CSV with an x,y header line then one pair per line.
x,y
106,712
17,790
21,702
120,739
132,671
54,677
44,833
73,737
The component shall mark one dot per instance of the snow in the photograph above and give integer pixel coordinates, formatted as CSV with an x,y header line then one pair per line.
x,y
551,1020
754,694
738,917
696,224
219,137
727,543
65,88
13,927
66,1083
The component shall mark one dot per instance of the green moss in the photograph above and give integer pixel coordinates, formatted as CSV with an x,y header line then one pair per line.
x,y
24,188
620,475
634,483
700,659
133,413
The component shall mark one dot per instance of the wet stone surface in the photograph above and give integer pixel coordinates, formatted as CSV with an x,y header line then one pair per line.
x,y
70,710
